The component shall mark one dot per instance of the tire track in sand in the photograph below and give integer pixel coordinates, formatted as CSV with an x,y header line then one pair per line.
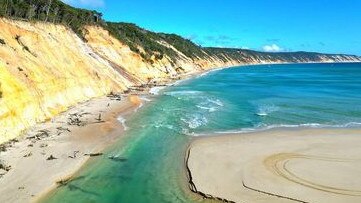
x,y
278,164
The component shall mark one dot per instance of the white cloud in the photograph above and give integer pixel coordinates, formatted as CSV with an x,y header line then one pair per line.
x,y
272,48
89,3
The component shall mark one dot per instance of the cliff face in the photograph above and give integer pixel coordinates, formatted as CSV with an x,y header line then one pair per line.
x,y
140,71
46,68
122,58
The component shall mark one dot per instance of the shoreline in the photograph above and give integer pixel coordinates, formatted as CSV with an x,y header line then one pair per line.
x,y
61,147
277,165
14,153
20,148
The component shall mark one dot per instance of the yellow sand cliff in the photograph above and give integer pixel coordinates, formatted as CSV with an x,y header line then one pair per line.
x,y
46,68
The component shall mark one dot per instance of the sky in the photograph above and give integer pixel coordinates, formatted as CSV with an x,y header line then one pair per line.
x,y
328,26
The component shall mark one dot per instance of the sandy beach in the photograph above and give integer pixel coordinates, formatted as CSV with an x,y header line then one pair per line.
x,y
280,165
51,152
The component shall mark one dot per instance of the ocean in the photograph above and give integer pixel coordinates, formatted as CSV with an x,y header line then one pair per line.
x,y
148,161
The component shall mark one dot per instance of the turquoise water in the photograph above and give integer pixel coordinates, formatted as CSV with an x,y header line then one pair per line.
x,y
151,165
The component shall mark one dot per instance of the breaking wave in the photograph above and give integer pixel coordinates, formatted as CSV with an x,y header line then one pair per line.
x,y
156,90
264,110
280,126
122,120
195,121
210,105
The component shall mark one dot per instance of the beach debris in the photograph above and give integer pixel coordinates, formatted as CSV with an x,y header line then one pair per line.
x,y
62,130
4,166
51,157
8,144
84,113
93,154
68,180
63,182
30,145
114,96
99,119
2,42
14,140
2,148
74,155
74,119
28,154
21,188
40,135
43,145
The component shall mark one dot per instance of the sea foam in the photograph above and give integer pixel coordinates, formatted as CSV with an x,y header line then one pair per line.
x,y
280,126
156,90
122,120
195,121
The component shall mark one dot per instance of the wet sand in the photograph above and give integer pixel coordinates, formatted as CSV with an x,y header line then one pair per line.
x,y
280,165
51,152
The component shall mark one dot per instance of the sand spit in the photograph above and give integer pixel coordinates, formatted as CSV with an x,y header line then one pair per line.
x,y
51,152
298,165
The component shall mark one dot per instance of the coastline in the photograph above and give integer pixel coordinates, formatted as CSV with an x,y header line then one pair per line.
x,y
50,153
277,165
112,134
72,146
24,182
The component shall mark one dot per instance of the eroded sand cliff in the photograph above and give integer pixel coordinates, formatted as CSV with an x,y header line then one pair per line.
x,y
46,68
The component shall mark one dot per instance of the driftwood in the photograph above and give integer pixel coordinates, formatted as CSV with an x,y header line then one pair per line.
x,y
93,154
5,167
64,182
114,96
2,148
99,119
74,119
51,157
8,144
74,155
62,130
28,154
40,135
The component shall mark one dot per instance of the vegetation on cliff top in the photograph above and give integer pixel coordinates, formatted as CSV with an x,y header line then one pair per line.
x,y
154,44
53,11
150,45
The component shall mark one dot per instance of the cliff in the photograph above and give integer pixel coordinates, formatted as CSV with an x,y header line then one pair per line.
x,y
46,67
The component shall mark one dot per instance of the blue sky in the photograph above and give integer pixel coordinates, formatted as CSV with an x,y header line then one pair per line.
x,y
330,26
